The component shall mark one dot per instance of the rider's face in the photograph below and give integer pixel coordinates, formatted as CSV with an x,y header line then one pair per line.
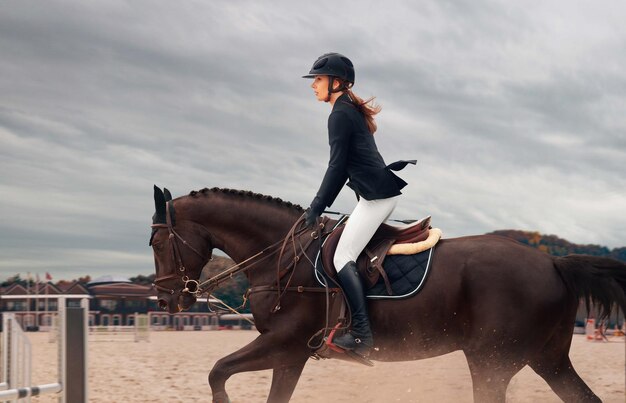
x,y
320,87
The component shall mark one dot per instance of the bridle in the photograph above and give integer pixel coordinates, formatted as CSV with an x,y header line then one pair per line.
x,y
181,272
197,289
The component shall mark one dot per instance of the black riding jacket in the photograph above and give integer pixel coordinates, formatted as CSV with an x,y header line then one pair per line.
x,y
354,156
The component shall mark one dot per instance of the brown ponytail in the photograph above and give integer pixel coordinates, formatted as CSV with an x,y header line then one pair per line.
x,y
367,110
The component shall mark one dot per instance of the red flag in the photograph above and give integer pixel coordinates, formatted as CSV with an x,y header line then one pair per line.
x,y
48,276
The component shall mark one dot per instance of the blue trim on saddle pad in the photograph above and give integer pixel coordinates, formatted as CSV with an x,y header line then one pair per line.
x,y
406,273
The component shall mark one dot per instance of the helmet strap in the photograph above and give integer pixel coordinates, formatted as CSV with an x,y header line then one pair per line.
x,y
331,81
343,86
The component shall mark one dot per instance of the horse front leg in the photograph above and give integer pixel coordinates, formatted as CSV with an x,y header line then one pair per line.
x,y
268,351
284,380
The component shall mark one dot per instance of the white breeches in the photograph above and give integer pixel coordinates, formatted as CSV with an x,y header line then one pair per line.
x,y
361,226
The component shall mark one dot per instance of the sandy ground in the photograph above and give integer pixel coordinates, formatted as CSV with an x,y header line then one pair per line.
x,y
173,367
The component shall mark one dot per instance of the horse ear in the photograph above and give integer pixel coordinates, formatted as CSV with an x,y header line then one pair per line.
x,y
159,205
168,195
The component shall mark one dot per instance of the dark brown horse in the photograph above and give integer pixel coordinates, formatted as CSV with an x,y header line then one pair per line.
x,y
504,304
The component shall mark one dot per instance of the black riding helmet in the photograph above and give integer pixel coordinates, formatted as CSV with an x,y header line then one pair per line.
x,y
334,65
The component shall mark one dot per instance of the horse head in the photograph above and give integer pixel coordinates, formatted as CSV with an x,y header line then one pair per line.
x,y
181,248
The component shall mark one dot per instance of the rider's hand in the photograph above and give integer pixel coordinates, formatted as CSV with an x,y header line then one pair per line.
x,y
310,217
313,212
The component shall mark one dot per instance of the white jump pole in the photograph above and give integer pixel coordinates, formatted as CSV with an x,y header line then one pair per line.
x,y
72,385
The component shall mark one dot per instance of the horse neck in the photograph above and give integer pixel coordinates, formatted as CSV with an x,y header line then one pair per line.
x,y
240,226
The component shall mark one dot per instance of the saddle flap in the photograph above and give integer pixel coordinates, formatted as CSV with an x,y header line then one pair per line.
x,y
328,251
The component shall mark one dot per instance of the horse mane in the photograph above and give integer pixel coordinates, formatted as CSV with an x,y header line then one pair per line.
x,y
247,194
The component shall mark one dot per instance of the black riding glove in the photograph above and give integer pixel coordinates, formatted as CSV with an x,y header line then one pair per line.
x,y
310,218
313,212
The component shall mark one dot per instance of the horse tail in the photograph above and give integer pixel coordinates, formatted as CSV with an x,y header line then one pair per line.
x,y
598,279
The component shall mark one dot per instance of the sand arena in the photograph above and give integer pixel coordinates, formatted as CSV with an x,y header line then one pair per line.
x,y
125,371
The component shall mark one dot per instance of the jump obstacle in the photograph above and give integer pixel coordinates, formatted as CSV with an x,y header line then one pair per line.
x,y
598,332
71,386
139,331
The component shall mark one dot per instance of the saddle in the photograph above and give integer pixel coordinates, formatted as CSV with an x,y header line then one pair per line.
x,y
370,262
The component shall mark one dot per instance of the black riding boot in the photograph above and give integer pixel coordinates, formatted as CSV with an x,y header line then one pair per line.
x,y
359,338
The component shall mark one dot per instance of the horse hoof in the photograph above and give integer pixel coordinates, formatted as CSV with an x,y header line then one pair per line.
x,y
221,397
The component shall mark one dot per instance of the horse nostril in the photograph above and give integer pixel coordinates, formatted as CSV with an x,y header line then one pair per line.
x,y
163,304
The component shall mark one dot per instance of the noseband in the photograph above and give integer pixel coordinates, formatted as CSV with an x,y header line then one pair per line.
x,y
189,285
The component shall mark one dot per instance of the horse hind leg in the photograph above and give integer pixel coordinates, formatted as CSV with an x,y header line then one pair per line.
x,y
490,376
554,366
563,379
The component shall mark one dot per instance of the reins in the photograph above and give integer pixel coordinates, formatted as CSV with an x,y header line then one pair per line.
x,y
197,289
292,234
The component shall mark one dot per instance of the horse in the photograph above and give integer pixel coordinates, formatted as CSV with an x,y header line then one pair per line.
x,y
504,304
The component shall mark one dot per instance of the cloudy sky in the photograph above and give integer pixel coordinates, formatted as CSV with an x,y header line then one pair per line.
x,y
515,111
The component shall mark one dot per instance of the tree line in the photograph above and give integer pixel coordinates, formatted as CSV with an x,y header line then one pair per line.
x,y
556,246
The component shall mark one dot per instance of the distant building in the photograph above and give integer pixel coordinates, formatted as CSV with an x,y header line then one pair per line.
x,y
36,307
113,301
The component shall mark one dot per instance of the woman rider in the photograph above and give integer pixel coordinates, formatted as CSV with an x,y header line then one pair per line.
x,y
353,156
